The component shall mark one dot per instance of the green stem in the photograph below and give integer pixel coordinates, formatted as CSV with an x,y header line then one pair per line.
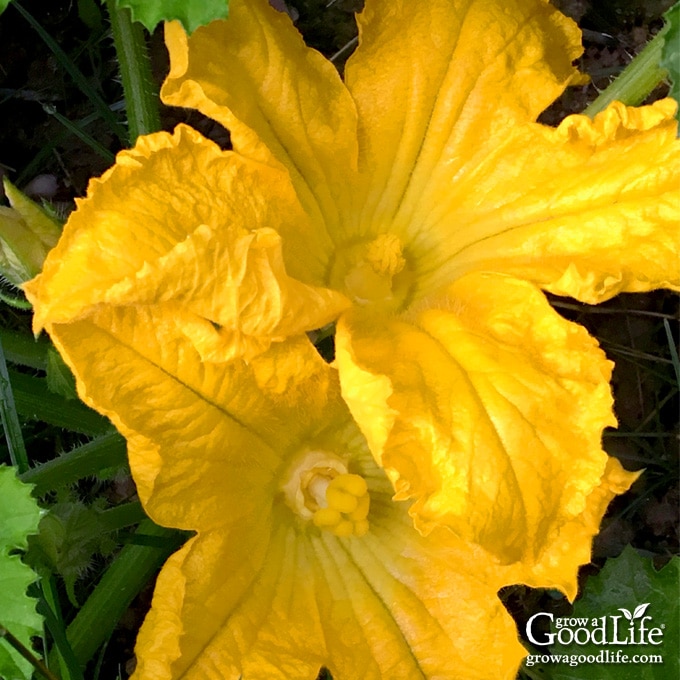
x,y
636,81
10,419
89,459
123,580
15,301
120,517
24,349
74,129
141,96
673,349
34,400
69,665
49,607
26,653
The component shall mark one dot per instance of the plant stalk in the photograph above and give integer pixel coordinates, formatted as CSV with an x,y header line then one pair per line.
x,y
636,81
89,459
141,95
121,582
27,654
10,419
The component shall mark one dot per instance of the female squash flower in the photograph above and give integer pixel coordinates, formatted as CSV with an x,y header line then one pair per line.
x,y
420,207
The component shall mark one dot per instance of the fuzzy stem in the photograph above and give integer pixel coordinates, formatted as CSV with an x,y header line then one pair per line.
x,y
89,459
636,81
10,420
127,575
141,95
49,608
24,349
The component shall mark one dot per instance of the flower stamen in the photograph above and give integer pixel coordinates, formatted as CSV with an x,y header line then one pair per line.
x,y
373,272
346,506
319,488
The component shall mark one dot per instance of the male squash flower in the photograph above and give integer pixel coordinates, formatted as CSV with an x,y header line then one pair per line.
x,y
420,207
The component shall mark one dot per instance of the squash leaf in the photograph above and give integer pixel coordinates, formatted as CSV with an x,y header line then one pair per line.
x,y
190,14
19,517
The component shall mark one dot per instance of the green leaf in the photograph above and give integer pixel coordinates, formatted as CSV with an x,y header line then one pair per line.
x,y
34,400
621,607
60,380
90,14
3,5
191,14
69,537
19,517
670,53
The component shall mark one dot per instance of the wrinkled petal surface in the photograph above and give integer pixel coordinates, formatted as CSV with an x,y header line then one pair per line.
x,y
183,285
179,224
589,209
281,100
452,75
181,414
487,407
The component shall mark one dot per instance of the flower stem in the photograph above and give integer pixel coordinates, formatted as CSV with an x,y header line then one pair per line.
x,y
10,419
636,81
141,95
89,459
48,606
26,653
127,575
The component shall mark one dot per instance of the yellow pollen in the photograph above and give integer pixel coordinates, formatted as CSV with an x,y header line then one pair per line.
x,y
384,255
318,487
373,272
346,506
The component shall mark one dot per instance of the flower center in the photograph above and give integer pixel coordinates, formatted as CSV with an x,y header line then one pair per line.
x,y
373,272
319,488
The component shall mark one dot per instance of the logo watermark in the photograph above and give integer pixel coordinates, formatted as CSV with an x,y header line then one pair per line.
x,y
631,628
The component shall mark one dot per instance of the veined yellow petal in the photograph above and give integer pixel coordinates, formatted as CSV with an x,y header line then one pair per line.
x,y
281,101
589,209
273,598
178,222
492,413
451,75
204,437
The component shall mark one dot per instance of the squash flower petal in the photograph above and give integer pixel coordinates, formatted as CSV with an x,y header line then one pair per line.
x,y
464,406
591,211
452,75
242,454
214,263
285,105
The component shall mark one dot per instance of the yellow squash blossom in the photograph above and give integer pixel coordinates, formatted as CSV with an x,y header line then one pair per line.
x,y
302,558
419,206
